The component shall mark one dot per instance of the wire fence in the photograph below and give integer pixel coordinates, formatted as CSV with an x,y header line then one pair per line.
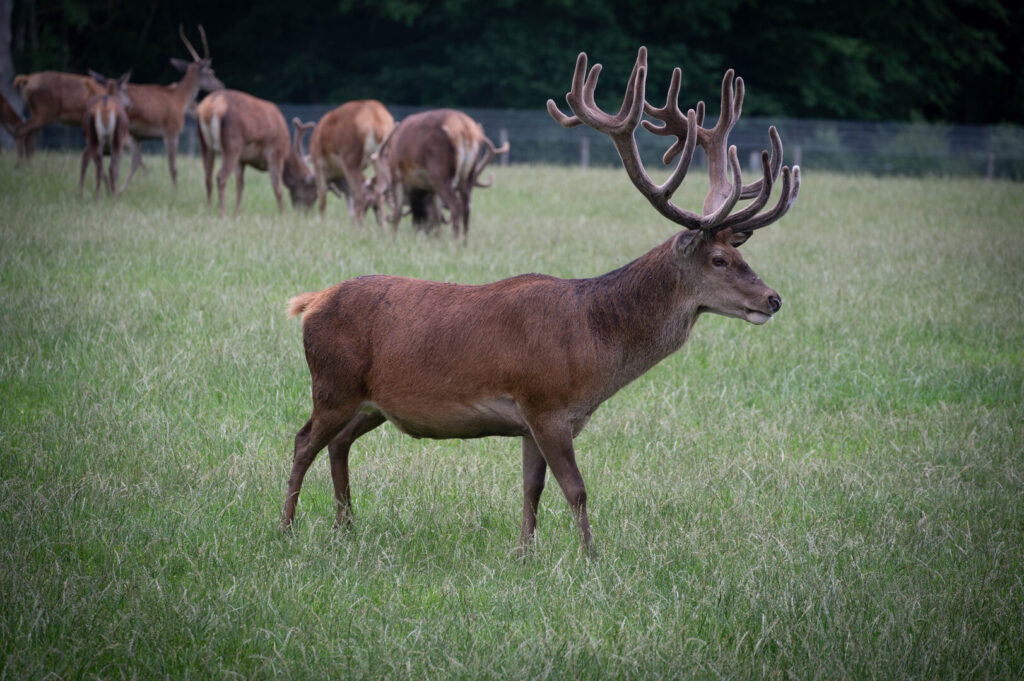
x,y
915,149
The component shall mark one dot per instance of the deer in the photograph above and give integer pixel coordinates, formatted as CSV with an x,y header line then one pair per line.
x,y
51,97
158,111
247,130
105,124
433,153
533,356
340,149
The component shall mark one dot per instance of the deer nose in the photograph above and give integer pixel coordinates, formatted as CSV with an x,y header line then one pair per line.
x,y
774,302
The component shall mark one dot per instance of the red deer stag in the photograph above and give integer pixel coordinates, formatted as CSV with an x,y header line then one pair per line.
x,y
246,130
105,124
158,111
533,356
433,153
51,97
340,149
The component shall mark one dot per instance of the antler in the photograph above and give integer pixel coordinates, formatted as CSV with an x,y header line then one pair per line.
x,y
300,131
206,46
489,152
188,45
722,195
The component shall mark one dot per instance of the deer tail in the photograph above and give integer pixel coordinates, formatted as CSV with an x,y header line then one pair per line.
x,y
299,304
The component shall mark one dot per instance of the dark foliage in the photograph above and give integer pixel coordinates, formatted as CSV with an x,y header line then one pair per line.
x,y
931,60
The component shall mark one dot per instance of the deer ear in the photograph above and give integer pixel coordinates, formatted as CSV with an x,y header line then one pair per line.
x,y
739,238
180,64
98,77
686,243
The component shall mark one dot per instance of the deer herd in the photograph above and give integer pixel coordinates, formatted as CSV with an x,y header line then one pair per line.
x,y
532,356
432,160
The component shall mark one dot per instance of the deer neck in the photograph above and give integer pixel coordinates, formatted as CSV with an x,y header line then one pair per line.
x,y
644,310
295,171
188,87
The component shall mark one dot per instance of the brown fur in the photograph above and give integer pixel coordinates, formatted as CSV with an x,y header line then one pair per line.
x,y
158,111
250,131
434,153
103,137
532,356
340,149
51,97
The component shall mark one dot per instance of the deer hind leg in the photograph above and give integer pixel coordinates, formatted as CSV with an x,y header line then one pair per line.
x,y
452,201
208,156
534,471
338,448
554,439
229,162
323,425
239,187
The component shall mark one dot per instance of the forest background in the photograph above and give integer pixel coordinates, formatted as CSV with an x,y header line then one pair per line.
x,y
922,60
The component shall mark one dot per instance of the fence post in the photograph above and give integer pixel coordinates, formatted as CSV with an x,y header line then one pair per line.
x,y
584,152
798,155
502,141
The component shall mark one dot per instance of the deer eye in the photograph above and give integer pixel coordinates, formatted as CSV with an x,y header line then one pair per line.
x,y
718,261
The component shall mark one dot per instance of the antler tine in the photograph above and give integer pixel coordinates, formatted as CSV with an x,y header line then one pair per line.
x,y
787,197
188,45
581,99
489,151
206,46
300,131
764,191
753,188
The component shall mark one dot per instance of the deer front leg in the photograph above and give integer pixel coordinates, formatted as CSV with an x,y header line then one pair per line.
x,y
171,142
553,436
276,169
534,470
239,186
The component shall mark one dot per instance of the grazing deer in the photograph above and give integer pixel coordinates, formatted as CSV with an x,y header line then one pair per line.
x,y
247,130
105,124
534,356
158,111
433,153
51,97
340,149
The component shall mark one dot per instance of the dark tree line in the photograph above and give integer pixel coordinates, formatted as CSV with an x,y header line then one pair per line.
x,y
932,60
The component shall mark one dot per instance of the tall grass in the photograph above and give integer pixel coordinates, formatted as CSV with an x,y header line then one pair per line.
x,y
838,494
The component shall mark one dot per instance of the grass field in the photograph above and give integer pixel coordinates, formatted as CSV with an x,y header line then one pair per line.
x,y
837,494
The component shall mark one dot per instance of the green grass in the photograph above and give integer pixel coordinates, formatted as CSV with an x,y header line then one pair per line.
x,y
838,494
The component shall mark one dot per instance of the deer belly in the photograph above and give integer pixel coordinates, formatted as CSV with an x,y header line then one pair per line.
x,y
493,416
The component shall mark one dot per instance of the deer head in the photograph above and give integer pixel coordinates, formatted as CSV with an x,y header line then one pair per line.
x,y
706,251
208,81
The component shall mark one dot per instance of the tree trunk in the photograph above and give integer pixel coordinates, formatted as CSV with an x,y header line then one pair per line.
x,y
7,67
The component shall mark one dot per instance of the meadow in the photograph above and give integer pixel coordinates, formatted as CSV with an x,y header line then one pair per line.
x,y
837,494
